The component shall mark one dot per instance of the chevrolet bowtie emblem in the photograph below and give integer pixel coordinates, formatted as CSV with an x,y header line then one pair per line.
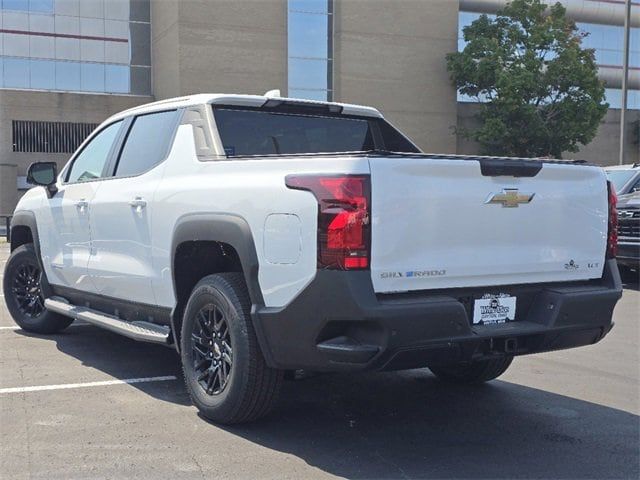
x,y
510,198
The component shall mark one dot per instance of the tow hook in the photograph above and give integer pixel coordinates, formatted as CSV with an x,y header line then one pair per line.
x,y
510,345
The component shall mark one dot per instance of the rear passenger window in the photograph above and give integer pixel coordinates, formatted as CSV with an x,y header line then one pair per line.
x,y
146,143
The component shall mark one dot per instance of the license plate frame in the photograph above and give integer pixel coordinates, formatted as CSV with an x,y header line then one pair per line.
x,y
494,309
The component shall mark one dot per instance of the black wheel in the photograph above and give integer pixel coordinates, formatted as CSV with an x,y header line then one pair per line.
x,y
474,372
24,287
224,369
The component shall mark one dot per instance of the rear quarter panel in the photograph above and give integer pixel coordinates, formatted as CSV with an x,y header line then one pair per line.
x,y
255,190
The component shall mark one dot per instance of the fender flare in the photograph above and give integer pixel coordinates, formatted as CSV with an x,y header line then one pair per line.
x,y
226,228
232,230
26,218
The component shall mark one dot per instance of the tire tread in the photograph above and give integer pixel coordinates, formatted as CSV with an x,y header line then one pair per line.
x,y
48,322
260,392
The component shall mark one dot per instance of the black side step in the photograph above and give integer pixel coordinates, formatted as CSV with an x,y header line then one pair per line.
x,y
142,331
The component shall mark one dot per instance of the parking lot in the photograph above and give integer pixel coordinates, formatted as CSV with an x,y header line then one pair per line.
x,y
87,403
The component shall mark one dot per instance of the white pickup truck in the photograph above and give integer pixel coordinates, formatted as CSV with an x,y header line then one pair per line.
x,y
260,235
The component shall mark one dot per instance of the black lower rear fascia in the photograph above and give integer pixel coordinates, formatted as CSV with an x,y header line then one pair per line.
x,y
339,323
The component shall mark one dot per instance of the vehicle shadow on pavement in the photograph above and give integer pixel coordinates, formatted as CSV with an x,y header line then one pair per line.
x,y
122,358
631,280
401,424
409,425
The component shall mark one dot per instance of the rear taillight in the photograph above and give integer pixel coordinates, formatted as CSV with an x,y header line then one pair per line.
x,y
344,208
612,235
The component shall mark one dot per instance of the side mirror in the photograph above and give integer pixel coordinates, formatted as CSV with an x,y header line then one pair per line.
x,y
44,174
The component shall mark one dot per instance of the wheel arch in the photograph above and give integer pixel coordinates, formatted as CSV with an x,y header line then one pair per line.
x,y
226,231
24,229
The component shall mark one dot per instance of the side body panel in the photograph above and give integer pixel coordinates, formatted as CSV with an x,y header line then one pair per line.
x,y
65,241
251,190
120,264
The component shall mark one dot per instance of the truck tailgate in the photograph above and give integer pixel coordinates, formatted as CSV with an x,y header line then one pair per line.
x,y
440,223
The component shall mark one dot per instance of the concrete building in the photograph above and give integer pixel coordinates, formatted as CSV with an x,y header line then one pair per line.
x,y
65,65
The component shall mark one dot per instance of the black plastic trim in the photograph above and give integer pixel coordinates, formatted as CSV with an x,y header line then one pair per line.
x,y
278,105
26,218
429,327
530,163
117,307
226,228
513,168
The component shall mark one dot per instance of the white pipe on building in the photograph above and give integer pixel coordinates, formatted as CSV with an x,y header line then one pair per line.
x,y
610,12
612,77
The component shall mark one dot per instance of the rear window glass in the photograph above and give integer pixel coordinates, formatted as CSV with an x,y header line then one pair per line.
x,y
619,178
255,132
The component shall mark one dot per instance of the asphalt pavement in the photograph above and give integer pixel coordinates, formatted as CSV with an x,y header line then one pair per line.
x,y
87,403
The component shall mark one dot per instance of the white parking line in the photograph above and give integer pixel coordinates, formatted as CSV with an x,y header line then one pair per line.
x,y
74,324
65,386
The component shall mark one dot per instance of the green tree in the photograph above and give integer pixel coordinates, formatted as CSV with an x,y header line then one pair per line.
x,y
538,89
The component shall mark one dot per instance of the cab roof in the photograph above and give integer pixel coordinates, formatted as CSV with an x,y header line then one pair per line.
x,y
242,101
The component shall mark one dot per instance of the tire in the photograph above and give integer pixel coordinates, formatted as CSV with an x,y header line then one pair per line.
x,y
224,370
25,287
474,372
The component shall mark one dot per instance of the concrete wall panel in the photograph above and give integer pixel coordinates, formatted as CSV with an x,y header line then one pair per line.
x,y
394,59
8,192
230,60
53,107
219,46
164,49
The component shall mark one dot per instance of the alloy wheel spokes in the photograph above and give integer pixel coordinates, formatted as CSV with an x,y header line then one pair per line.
x,y
27,290
211,345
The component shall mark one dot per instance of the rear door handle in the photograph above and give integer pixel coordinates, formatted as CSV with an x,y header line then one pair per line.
x,y
82,204
138,203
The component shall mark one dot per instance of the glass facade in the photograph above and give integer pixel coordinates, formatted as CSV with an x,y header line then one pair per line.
x,y
99,46
310,35
606,40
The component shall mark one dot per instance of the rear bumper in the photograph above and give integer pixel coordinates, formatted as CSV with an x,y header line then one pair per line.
x,y
338,323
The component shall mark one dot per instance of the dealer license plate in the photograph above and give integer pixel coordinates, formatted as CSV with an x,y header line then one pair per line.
x,y
492,309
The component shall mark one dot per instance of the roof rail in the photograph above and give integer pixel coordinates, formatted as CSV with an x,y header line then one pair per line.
x,y
156,103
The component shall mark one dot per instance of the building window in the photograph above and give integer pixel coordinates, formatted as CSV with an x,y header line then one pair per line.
x,y
49,137
606,40
310,49
76,46
28,5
